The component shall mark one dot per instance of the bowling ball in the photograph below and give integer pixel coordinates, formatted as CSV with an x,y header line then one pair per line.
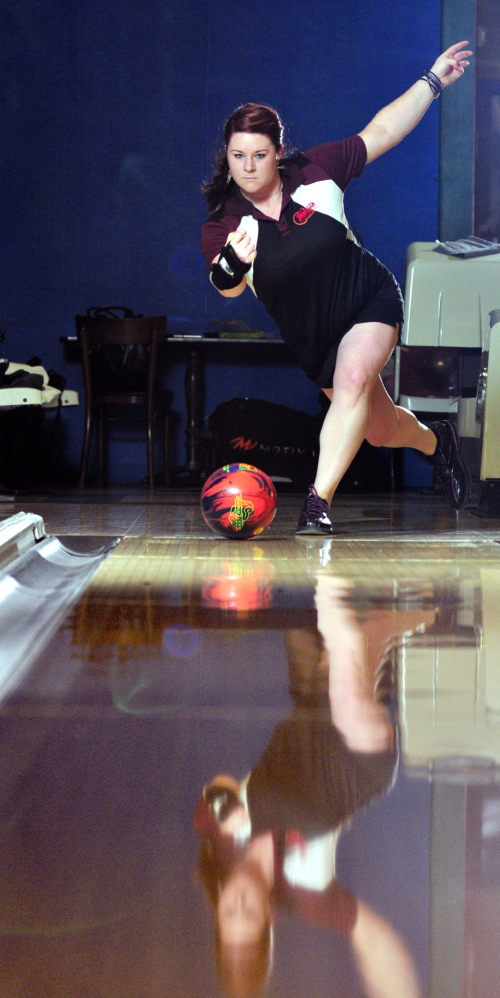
x,y
238,501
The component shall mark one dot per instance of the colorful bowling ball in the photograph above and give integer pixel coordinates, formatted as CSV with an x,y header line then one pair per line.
x,y
238,501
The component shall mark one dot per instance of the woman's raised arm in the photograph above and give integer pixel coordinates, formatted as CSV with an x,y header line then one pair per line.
x,y
393,122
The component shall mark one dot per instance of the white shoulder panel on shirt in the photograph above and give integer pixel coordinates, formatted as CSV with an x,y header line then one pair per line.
x,y
326,196
312,865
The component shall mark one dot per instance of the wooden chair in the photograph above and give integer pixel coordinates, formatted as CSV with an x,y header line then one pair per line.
x,y
120,366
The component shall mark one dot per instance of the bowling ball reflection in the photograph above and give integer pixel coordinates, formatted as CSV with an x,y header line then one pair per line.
x,y
239,584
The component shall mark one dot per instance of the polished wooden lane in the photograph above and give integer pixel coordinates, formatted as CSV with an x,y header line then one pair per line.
x,y
134,511
188,656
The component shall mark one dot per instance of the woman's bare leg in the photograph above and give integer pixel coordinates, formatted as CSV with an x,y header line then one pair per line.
x,y
390,425
361,408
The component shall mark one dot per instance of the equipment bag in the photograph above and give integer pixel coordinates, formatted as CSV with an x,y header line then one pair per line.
x,y
281,441
284,443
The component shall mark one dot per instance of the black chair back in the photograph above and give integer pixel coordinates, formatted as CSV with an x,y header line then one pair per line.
x,y
120,366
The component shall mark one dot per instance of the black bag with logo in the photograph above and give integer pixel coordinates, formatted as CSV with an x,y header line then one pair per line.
x,y
284,443
281,441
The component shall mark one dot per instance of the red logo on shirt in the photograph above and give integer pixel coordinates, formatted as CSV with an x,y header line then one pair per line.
x,y
303,216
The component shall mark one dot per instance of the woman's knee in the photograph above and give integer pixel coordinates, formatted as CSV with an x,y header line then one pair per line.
x,y
353,382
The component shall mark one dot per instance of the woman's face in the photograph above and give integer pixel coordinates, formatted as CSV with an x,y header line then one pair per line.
x,y
243,910
253,161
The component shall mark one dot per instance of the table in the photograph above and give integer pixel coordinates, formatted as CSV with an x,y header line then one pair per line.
x,y
196,350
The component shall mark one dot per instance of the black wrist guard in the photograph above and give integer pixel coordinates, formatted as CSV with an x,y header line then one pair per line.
x,y
434,83
229,271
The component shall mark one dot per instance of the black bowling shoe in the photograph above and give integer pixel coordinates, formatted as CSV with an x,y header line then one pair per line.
x,y
314,517
448,465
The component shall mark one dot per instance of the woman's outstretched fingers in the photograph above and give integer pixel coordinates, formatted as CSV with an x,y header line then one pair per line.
x,y
451,64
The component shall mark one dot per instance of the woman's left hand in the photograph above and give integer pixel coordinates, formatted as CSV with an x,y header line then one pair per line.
x,y
451,64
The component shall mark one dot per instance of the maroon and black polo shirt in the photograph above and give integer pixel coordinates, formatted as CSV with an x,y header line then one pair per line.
x,y
310,273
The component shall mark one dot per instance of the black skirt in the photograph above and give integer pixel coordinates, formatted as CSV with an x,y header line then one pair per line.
x,y
386,306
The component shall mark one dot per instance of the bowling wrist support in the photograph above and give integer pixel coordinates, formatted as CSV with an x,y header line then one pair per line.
x,y
434,83
229,271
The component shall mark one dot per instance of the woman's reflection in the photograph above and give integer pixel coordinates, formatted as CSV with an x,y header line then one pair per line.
x,y
268,841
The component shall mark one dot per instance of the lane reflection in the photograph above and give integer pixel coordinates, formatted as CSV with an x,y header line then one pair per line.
x,y
334,731
268,841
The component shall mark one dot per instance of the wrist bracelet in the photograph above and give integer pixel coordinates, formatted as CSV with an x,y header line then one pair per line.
x,y
434,83
229,271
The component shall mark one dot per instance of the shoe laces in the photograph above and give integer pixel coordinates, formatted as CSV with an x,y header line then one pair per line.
x,y
315,504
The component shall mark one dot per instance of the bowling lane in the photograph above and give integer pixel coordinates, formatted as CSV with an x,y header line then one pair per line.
x,y
133,512
351,684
